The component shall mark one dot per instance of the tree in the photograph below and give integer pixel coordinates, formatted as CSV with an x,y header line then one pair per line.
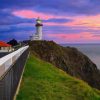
x,y
13,42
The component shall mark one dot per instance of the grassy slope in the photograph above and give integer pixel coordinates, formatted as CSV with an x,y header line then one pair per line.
x,y
42,81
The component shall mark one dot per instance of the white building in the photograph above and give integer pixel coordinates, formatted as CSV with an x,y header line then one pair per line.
x,y
38,34
4,47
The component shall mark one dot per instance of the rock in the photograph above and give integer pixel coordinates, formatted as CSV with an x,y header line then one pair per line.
x,y
68,59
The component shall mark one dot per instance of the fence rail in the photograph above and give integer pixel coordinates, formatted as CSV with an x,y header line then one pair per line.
x,y
11,67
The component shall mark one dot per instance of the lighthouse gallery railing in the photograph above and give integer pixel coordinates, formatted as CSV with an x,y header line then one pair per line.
x,y
11,67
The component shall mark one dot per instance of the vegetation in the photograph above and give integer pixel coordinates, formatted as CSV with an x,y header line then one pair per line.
x,y
13,42
68,59
43,81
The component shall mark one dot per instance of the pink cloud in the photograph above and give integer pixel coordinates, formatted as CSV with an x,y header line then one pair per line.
x,y
33,14
81,37
30,14
87,21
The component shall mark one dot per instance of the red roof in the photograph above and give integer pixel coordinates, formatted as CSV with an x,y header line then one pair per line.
x,y
4,44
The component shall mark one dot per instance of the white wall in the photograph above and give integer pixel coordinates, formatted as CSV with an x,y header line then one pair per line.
x,y
8,60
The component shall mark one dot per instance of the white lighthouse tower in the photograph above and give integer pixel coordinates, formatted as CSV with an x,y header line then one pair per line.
x,y
38,34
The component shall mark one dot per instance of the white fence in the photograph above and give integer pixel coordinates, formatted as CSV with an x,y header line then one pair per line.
x,y
8,60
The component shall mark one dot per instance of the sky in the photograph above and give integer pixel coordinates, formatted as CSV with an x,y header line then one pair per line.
x,y
64,21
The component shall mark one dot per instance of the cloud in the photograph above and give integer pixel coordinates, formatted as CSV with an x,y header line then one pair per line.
x,y
74,38
30,14
83,7
64,20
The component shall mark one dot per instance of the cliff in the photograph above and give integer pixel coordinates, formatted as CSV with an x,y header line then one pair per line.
x,y
69,60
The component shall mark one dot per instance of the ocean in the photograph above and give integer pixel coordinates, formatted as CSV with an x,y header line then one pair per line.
x,y
91,50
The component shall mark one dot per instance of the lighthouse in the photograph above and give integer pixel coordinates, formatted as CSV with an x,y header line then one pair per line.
x,y
38,34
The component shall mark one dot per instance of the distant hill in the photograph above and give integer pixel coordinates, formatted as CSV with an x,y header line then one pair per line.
x,y
68,59
43,81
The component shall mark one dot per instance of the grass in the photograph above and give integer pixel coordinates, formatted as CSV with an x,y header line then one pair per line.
x,y
43,81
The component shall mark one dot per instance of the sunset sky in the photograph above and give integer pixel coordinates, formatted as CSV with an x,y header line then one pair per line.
x,y
65,21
